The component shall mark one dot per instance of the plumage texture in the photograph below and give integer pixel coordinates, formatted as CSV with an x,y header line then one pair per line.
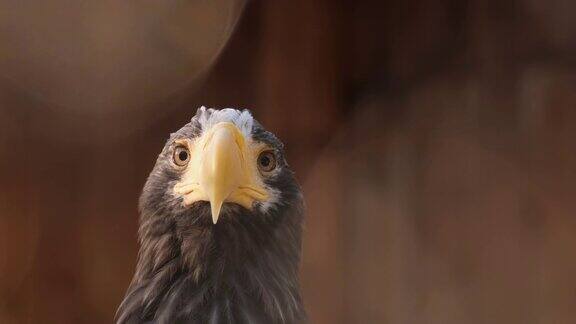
x,y
244,269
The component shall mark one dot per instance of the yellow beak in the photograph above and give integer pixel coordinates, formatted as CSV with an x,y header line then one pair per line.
x,y
222,169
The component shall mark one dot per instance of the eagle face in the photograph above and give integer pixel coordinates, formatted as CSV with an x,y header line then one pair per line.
x,y
223,163
220,228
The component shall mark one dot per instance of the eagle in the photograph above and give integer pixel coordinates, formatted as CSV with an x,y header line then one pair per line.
x,y
220,228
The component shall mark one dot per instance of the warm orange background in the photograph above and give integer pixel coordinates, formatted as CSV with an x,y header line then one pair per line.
x,y
435,140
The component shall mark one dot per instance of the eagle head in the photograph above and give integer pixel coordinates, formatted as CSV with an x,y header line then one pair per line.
x,y
220,228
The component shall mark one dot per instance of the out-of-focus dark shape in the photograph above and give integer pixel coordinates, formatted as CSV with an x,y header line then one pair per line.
x,y
104,60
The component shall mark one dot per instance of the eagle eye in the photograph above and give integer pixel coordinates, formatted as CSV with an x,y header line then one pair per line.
x,y
181,156
267,161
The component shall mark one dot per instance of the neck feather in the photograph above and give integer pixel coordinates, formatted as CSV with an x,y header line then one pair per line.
x,y
239,270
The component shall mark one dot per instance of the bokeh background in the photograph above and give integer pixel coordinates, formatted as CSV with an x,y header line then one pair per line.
x,y
434,139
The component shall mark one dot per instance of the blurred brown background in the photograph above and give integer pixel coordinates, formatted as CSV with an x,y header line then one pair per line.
x,y
435,140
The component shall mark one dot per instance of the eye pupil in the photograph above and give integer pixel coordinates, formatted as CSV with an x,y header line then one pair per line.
x,y
264,161
267,161
183,155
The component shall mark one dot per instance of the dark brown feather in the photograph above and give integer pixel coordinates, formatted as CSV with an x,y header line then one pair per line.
x,y
244,269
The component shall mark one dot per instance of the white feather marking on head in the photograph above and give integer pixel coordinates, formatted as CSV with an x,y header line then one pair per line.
x,y
272,202
208,117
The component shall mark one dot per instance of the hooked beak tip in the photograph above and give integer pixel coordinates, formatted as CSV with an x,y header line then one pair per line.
x,y
215,208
